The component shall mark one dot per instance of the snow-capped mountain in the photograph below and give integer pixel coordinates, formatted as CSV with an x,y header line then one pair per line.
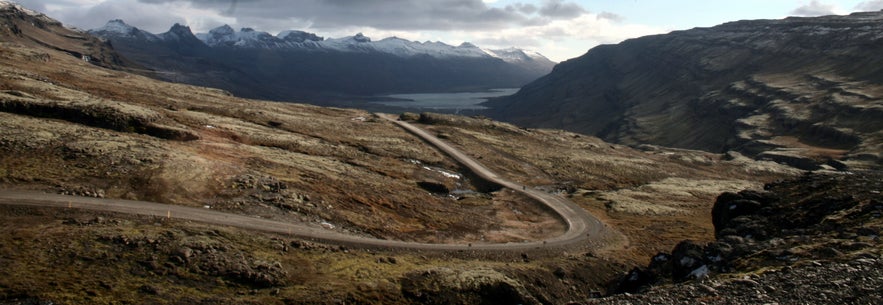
x,y
297,65
29,28
9,5
226,36
515,55
119,29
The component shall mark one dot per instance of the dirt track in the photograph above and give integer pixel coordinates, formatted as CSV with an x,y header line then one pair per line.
x,y
582,228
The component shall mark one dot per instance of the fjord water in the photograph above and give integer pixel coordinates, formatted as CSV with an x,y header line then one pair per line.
x,y
445,102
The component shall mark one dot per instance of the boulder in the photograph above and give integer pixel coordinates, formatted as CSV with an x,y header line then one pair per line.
x,y
731,205
460,286
687,257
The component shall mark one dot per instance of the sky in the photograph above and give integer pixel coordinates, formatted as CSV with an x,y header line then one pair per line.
x,y
558,29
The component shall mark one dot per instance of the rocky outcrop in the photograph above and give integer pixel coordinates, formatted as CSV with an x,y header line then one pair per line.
x,y
96,113
815,217
854,281
452,286
807,88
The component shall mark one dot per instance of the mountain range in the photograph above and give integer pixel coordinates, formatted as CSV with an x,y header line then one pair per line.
x,y
798,90
296,65
79,132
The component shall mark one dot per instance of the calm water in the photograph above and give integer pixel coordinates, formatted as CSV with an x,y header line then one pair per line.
x,y
446,101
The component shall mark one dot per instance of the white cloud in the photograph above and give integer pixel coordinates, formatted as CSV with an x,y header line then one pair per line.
x,y
873,5
814,8
564,39
560,29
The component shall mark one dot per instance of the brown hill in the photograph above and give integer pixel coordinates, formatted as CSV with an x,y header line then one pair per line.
x,y
798,90
35,29
71,127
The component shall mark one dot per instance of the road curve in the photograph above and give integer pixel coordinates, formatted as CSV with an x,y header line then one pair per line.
x,y
581,227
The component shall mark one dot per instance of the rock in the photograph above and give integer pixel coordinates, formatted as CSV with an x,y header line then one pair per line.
x,y
184,253
147,289
731,205
746,282
560,272
707,289
661,263
409,116
434,187
634,281
686,258
459,286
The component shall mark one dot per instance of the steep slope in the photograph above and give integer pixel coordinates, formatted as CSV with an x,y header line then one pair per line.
x,y
27,27
70,127
296,65
791,90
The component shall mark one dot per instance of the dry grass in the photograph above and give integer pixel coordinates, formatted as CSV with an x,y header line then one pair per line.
x,y
356,170
339,166
656,196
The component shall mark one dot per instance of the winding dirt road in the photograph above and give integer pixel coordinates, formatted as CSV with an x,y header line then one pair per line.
x,y
582,228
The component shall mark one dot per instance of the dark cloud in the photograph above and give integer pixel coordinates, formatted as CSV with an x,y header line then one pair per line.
x,y
561,9
611,16
814,8
874,5
527,9
148,17
390,14
36,5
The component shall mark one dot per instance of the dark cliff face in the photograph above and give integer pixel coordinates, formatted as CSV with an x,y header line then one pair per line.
x,y
757,87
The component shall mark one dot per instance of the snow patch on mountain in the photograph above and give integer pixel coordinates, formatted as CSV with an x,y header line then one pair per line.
x,y
12,5
119,28
116,26
226,36
515,55
249,38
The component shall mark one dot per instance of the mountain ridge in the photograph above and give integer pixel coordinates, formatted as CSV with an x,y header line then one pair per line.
x,y
226,36
305,67
801,88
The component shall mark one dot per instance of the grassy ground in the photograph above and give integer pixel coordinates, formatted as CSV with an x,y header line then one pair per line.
x,y
314,165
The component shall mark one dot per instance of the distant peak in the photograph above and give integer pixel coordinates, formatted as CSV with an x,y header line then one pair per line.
x,y
180,27
298,36
224,29
118,27
361,38
467,45
15,7
246,30
179,32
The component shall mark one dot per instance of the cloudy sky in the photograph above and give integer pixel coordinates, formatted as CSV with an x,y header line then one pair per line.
x,y
559,29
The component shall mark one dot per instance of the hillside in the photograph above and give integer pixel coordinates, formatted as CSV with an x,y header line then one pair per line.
x,y
300,66
798,90
34,29
79,129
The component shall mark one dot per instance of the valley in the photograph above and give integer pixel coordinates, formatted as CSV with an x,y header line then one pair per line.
x,y
801,90
298,66
119,185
